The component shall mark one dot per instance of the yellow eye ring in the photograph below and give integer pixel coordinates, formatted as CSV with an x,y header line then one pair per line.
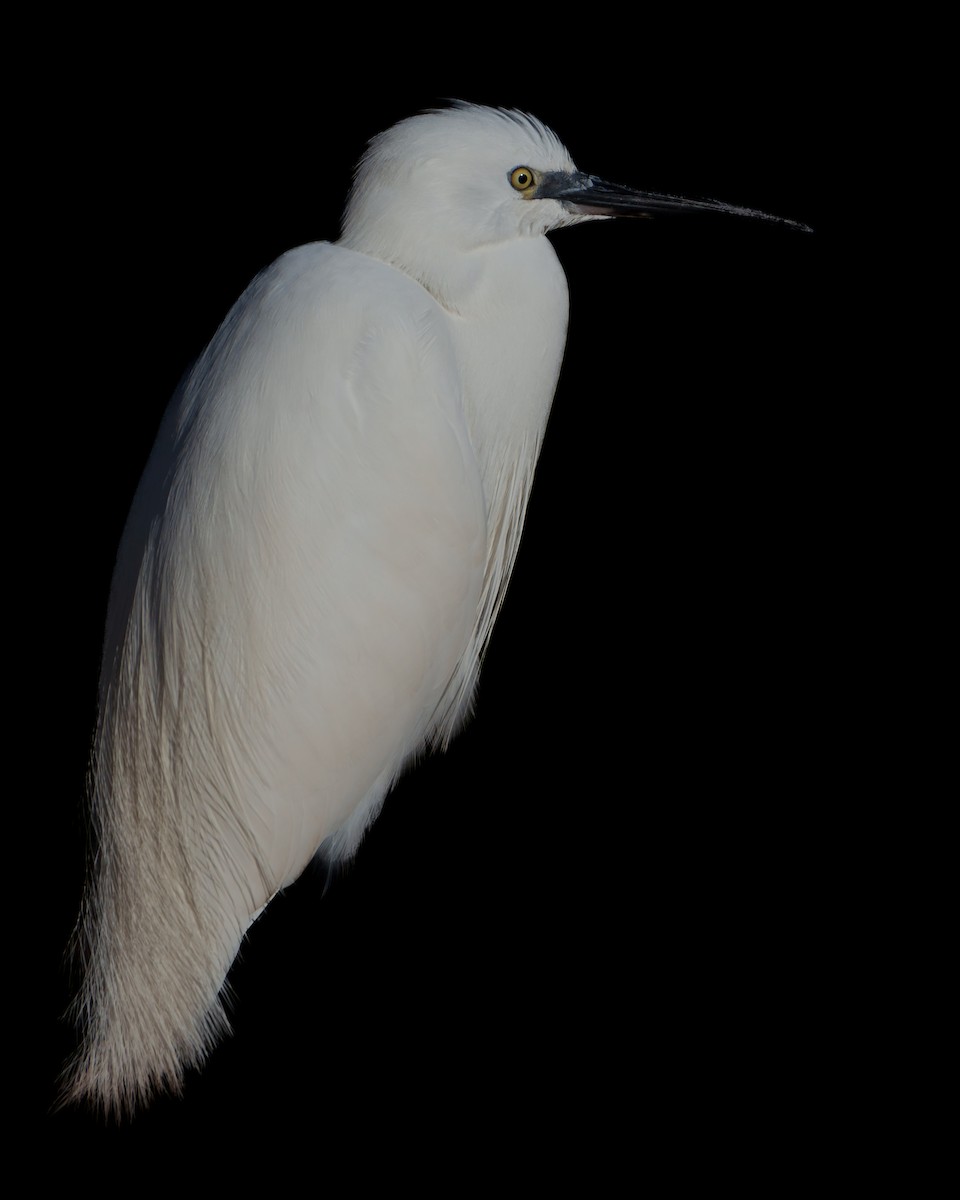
x,y
522,178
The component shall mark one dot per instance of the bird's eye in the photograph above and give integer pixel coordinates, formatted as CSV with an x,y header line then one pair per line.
x,y
522,178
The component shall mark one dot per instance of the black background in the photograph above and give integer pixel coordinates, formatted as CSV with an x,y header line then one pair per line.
x,y
601,925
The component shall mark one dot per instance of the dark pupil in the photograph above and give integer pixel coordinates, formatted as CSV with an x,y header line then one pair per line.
x,y
522,178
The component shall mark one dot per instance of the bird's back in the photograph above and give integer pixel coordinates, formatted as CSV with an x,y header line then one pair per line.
x,y
297,586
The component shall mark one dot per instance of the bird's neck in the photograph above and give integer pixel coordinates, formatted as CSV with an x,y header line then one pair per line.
x,y
510,333
507,304
510,326
507,307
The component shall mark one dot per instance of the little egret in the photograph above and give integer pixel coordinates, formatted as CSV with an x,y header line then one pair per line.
x,y
314,561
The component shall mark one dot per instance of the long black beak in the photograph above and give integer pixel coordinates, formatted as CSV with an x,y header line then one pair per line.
x,y
591,196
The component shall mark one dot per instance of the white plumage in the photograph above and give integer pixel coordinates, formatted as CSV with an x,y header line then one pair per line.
x,y
312,566
314,562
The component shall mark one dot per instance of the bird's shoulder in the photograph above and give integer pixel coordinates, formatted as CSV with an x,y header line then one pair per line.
x,y
322,308
323,274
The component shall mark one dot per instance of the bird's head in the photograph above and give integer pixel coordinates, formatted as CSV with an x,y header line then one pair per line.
x,y
451,181
445,184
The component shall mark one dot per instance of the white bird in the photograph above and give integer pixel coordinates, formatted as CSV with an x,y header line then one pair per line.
x,y
314,562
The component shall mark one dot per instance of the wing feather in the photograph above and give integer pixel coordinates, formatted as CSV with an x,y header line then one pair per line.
x,y
297,586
